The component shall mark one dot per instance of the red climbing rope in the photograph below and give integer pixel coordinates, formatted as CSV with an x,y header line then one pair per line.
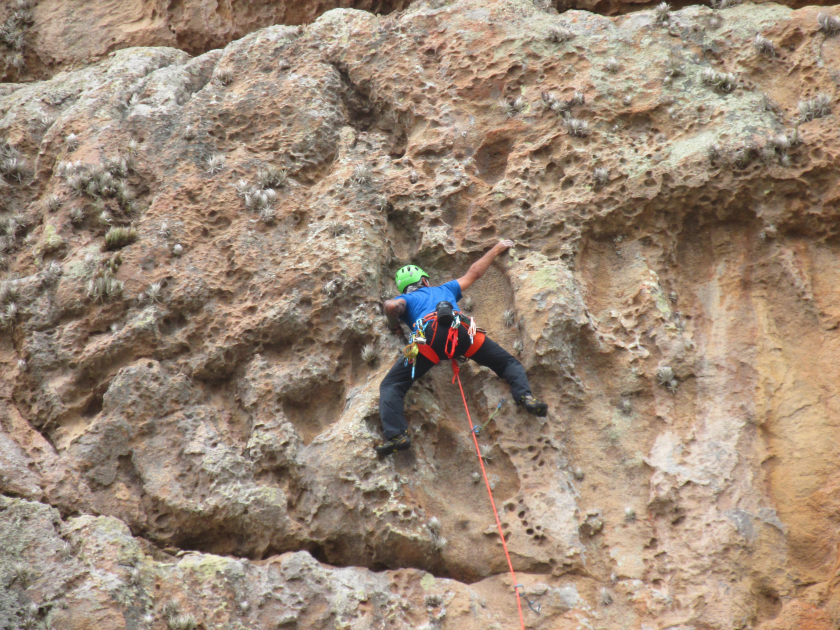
x,y
457,377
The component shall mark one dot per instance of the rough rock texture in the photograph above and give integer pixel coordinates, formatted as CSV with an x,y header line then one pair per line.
x,y
65,34
90,572
198,384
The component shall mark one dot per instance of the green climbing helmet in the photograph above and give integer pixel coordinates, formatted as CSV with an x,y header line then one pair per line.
x,y
408,275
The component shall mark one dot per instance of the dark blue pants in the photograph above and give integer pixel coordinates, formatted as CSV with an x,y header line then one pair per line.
x,y
398,381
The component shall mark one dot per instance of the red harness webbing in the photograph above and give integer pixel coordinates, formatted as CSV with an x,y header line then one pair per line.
x,y
451,342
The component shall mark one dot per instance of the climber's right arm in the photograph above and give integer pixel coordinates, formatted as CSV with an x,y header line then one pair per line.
x,y
480,266
393,310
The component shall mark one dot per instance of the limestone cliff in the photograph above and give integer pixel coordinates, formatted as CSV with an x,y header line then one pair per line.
x,y
195,249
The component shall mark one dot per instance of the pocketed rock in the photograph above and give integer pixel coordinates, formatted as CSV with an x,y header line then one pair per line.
x,y
228,415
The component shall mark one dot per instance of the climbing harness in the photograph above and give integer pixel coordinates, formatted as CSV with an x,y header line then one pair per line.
x,y
417,343
476,335
490,494
478,429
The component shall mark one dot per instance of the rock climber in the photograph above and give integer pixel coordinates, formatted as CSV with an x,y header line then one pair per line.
x,y
437,308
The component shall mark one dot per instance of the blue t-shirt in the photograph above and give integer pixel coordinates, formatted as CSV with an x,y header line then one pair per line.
x,y
423,301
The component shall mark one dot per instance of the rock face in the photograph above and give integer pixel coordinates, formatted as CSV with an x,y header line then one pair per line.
x,y
62,34
46,36
196,250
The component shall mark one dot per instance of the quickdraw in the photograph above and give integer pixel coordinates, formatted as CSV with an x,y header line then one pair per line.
x,y
478,429
530,603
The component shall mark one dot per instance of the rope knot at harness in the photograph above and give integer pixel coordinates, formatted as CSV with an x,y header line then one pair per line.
x,y
452,345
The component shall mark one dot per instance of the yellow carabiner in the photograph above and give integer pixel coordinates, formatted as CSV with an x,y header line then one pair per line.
x,y
410,352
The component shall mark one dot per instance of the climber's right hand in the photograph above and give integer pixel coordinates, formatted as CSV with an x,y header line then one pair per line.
x,y
399,333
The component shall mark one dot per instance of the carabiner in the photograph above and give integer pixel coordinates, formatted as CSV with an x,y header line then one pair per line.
x,y
530,603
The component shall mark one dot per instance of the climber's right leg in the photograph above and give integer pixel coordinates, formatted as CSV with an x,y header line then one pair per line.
x,y
506,366
392,393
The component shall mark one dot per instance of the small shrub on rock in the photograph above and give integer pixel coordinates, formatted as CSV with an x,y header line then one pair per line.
x,y
813,108
119,237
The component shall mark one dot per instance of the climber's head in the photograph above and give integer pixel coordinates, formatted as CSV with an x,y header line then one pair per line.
x,y
411,278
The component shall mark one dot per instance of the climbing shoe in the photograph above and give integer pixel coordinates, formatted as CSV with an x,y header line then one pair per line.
x,y
534,406
400,442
